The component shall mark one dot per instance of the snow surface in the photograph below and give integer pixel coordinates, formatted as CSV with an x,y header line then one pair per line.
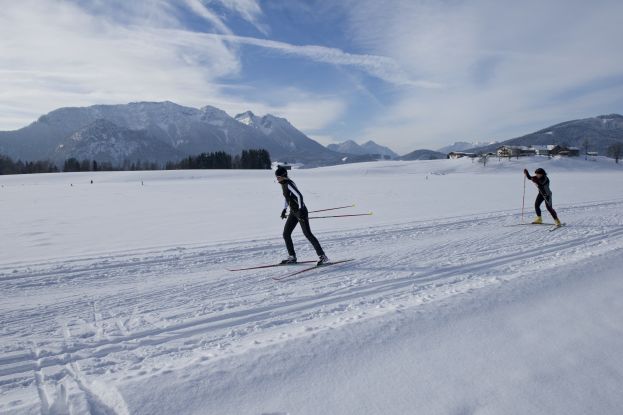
x,y
115,298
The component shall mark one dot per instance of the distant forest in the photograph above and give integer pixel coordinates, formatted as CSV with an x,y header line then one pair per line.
x,y
248,159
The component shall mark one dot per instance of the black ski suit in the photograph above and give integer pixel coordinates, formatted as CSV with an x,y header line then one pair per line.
x,y
545,195
298,214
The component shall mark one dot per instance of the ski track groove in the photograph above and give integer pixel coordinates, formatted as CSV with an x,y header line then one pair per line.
x,y
188,307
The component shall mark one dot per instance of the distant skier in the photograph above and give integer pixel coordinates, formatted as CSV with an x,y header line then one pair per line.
x,y
298,214
545,195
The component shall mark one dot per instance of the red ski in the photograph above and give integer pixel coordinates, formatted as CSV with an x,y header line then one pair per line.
x,y
312,268
272,265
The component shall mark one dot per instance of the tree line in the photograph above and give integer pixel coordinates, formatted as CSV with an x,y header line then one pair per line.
x,y
8,166
248,159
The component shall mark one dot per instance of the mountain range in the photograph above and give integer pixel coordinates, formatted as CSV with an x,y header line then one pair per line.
x,y
367,148
158,131
165,131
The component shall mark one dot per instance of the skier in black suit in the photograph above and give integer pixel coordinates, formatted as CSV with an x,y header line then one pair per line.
x,y
298,214
545,195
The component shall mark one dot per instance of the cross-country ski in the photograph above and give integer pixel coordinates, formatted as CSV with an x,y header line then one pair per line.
x,y
280,264
557,226
326,264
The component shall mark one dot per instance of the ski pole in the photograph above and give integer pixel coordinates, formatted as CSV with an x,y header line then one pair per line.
x,y
340,216
335,208
523,199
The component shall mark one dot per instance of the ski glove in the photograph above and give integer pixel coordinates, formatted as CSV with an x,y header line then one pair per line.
x,y
525,171
283,214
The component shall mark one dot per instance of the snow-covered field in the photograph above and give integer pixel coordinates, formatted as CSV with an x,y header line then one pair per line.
x,y
115,298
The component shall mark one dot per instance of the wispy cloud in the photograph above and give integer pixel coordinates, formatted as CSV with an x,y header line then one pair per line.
x,y
201,10
56,54
249,10
505,66
75,53
60,54
380,67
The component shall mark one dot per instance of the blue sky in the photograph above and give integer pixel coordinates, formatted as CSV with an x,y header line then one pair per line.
x,y
406,73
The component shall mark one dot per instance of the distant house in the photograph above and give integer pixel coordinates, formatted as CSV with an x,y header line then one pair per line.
x,y
565,151
460,154
515,151
541,150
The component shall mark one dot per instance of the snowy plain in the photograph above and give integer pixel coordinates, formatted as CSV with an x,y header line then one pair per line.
x,y
115,296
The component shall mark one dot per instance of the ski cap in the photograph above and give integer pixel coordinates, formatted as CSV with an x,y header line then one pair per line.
x,y
540,171
281,171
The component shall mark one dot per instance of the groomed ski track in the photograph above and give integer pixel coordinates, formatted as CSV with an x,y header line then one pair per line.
x,y
92,324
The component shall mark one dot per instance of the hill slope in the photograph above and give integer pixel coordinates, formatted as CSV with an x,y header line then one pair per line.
x,y
600,132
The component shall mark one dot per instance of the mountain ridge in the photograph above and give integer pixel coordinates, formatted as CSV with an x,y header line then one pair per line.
x,y
186,130
367,148
600,131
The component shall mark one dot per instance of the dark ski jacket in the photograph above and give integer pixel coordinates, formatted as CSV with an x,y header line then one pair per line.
x,y
542,184
293,198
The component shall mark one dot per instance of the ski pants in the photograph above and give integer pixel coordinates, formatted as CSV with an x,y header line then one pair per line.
x,y
548,204
293,219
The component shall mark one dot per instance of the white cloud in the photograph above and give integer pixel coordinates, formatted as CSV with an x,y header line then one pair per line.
x,y
67,54
504,65
57,54
378,66
249,10
201,10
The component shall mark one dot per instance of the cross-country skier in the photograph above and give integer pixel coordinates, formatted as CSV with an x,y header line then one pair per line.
x,y
545,195
298,214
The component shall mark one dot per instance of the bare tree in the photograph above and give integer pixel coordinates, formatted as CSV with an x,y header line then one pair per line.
x,y
615,151
586,145
483,158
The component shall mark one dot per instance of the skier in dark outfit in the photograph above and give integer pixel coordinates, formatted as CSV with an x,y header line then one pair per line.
x,y
545,195
298,214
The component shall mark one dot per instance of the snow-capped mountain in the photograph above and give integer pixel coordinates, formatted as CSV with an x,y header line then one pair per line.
x,y
167,130
292,143
369,147
104,141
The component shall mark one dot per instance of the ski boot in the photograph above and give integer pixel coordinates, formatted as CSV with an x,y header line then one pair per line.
x,y
322,259
537,221
289,260
558,224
